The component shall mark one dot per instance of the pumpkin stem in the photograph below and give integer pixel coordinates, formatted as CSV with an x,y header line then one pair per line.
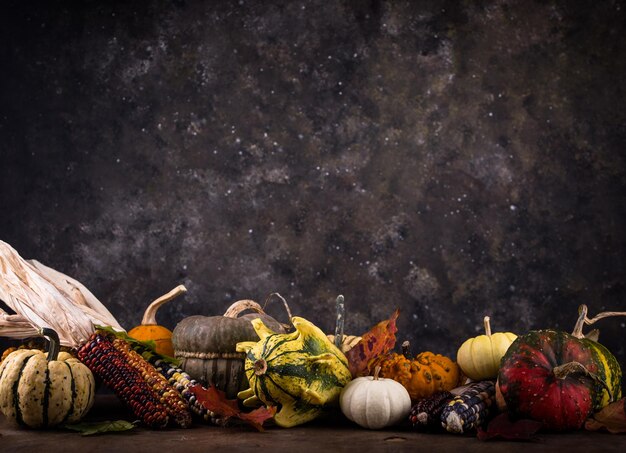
x,y
583,319
569,368
54,346
376,372
341,311
260,367
580,322
487,326
406,349
286,305
242,305
149,316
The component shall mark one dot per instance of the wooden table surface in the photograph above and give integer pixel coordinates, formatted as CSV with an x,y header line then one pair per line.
x,y
336,435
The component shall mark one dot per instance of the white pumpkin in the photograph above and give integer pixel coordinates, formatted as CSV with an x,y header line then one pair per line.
x,y
374,402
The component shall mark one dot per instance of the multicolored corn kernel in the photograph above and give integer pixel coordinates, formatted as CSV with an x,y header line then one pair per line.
x,y
112,367
426,413
176,406
470,409
182,382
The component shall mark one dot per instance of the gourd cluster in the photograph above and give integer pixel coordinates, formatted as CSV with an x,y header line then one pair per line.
x,y
305,375
554,377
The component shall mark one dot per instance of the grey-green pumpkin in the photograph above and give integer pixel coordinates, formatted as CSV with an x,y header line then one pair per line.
x,y
206,345
41,390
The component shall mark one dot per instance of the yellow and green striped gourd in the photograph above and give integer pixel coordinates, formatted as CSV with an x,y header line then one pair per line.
x,y
302,372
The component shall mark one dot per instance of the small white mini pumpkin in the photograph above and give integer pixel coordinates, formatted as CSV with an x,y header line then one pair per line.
x,y
374,402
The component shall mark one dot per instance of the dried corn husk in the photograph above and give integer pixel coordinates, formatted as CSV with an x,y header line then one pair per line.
x,y
347,342
79,294
43,298
16,326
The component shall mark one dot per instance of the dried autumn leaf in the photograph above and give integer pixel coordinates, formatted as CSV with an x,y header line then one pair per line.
x,y
215,400
502,427
379,340
257,417
612,418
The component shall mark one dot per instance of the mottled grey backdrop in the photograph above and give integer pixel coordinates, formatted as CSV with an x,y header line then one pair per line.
x,y
453,159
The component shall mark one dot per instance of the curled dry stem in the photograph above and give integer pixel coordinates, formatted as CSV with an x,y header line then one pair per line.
x,y
285,304
242,305
583,319
577,368
149,316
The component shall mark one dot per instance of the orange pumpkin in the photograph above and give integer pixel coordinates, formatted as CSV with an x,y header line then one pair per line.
x,y
422,375
149,330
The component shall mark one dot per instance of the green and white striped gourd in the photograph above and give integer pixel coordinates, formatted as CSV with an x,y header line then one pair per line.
x,y
301,371
40,390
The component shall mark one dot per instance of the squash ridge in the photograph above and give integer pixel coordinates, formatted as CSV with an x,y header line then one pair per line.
x,y
280,388
16,396
280,355
256,389
291,370
73,388
266,393
46,398
275,346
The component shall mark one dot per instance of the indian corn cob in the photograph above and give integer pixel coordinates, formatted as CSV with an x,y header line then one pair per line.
x,y
181,381
469,409
426,413
122,373
176,406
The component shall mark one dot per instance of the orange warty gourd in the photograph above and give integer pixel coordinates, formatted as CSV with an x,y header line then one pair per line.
x,y
422,375
149,330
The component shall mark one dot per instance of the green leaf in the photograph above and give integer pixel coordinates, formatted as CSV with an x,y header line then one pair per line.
x,y
87,429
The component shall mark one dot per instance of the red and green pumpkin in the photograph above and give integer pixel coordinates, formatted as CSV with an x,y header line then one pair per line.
x,y
558,378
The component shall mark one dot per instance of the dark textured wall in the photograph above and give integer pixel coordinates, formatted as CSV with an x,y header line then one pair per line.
x,y
453,159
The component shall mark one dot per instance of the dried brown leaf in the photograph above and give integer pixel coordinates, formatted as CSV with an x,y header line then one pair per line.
x,y
378,341
215,401
611,418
